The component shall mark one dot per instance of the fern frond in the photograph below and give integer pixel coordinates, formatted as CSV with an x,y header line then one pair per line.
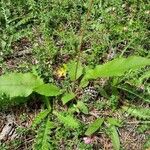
x,y
42,141
138,112
5,12
144,127
20,34
19,84
146,75
24,20
67,120
131,90
40,117
147,144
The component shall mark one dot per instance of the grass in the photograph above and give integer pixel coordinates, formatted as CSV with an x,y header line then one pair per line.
x,y
43,36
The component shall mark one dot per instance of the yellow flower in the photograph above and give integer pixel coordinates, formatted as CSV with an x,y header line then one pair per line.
x,y
61,71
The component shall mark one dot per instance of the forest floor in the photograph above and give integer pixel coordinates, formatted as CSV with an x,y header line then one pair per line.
x,y
42,37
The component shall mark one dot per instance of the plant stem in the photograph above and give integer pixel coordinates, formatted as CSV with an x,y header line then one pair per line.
x,y
47,103
82,31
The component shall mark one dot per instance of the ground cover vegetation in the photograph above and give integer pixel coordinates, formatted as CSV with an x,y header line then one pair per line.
x,y
74,74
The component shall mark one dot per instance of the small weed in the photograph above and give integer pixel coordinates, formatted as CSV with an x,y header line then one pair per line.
x,y
87,61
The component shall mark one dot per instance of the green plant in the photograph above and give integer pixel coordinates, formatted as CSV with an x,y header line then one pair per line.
x,y
42,140
110,129
112,132
143,127
147,143
56,25
22,85
116,67
12,26
141,113
3,146
94,126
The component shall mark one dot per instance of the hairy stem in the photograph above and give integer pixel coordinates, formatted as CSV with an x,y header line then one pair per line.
x,y
82,31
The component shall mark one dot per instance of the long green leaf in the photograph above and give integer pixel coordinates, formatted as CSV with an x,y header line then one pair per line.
x,y
93,127
117,67
48,90
75,70
82,107
67,97
114,122
113,134
19,84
